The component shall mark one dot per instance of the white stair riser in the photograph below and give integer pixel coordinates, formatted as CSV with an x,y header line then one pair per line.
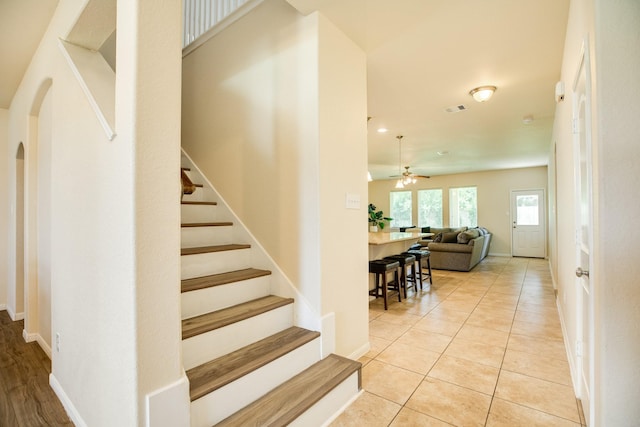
x,y
206,300
218,405
214,263
213,344
200,195
193,237
327,408
198,213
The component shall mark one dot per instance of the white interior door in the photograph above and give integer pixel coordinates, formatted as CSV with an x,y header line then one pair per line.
x,y
528,237
584,235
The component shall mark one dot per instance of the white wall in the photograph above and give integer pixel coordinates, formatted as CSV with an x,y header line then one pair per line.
x,y
43,326
342,171
114,224
613,31
494,192
5,158
259,119
617,67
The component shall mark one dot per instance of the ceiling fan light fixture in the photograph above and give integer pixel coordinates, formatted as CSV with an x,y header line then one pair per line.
x,y
399,184
482,93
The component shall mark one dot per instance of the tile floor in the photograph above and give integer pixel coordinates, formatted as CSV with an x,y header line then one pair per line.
x,y
482,348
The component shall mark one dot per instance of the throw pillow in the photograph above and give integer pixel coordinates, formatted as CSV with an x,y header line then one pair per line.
x,y
460,229
437,238
451,237
466,236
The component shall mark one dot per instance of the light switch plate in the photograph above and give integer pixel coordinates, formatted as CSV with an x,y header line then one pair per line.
x,y
352,201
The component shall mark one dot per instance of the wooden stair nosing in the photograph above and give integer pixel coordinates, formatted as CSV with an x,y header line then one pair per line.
x,y
203,282
206,224
189,202
215,248
217,319
186,169
289,400
217,373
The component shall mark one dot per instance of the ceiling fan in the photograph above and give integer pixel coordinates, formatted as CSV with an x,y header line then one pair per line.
x,y
406,177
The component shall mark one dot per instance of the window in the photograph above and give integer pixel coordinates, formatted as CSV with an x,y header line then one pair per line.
x,y
430,208
463,207
400,202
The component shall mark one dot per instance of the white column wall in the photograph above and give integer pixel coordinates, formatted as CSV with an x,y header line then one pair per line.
x,y
617,90
342,100
114,221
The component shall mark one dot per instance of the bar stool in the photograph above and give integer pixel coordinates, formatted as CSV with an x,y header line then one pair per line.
x,y
406,261
421,255
381,267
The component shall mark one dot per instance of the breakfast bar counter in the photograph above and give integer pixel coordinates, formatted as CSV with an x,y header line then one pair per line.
x,y
385,244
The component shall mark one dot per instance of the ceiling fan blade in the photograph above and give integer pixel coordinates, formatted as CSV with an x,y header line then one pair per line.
x,y
422,176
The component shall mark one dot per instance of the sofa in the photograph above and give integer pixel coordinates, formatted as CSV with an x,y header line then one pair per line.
x,y
458,249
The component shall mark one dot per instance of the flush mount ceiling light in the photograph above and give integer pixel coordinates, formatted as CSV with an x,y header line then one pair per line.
x,y
482,93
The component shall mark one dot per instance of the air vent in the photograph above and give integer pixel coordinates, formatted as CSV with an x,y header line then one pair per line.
x,y
455,109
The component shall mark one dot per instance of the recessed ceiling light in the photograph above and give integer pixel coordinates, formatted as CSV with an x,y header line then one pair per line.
x,y
382,130
442,153
527,119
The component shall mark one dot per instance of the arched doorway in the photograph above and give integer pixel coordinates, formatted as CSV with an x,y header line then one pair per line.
x,y
37,220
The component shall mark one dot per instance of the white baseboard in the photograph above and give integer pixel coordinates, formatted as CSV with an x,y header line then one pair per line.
x,y
499,254
36,337
44,346
28,337
358,353
13,315
3,307
573,369
66,402
169,406
328,334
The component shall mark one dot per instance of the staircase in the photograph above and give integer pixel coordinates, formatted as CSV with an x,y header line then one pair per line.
x,y
247,362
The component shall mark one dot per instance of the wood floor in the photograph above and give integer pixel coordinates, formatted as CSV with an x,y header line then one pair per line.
x,y
26,399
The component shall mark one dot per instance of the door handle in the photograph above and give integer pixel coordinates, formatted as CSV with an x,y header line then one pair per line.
x,y
580,272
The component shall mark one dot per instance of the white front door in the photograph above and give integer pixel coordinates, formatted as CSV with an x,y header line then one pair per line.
x,y
584,236
528,237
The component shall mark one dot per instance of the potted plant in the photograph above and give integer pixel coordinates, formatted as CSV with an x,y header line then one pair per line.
x,y
376,219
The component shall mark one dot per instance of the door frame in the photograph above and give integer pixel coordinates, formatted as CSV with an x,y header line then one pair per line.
x,y
543,217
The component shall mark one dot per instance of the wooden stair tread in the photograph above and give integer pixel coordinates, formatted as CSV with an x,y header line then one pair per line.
x,y
217,373
186,169
188,202
227,316
288,401
206,224
216,248
196,283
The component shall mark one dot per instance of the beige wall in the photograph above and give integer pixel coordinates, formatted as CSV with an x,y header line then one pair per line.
x,y
5,158
494,190
273,114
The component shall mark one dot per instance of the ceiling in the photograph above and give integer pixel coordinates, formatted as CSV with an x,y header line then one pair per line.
x,y
423,56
